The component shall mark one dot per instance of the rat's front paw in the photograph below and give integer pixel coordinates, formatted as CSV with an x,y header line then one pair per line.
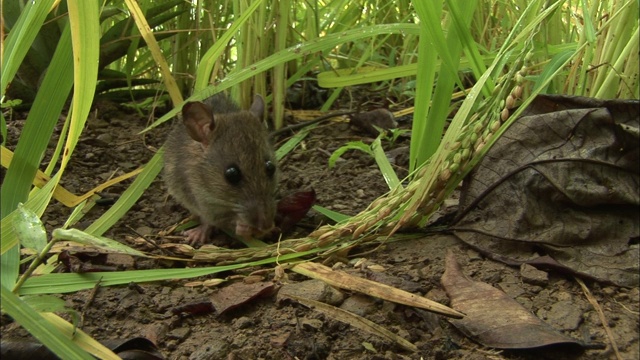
x,y
199,235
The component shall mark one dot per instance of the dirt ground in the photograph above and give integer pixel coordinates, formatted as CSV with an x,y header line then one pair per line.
x,y
270,327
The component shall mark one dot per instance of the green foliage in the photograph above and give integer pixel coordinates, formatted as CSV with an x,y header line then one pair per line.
x,y
351,145
375,151
30,230
333,215
392,135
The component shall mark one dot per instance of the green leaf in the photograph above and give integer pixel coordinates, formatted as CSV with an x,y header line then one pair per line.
x,y
333,215
291,144
82,237
20,38
30,230
84,21
389,175
57,283
40,328
352,145
129,197
46,303
556,63
299,51
203,74
369,347
34,139
38,127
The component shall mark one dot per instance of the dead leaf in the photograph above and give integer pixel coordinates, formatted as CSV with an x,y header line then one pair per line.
x,y
492,318
563,181
239,293
292,208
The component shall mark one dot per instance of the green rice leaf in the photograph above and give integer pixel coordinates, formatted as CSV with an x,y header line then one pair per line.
x,y
84,22
298,51
129,197
20,38
58,283
352,145
82,237
205,68
389,175
30,230
333,215
40,328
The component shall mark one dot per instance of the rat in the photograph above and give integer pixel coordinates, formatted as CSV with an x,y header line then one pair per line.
x,y
220,165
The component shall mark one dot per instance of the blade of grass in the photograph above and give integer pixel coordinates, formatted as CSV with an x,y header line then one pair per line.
x,y
20,38
60,193
84,341
205,68
356,321
425,79
58,283
129,197
370,74
390,176
333,215
33,141
279,74
291,144
439,109
152,44
40,328
84,22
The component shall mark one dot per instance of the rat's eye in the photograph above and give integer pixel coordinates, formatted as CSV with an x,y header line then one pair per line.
x,y
233,174
271,168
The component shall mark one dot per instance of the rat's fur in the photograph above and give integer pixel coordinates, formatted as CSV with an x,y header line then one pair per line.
x,y
211,137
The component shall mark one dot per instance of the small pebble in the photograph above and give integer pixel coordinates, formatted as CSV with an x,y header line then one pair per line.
x,y
242,322
104,139
533,276
179,333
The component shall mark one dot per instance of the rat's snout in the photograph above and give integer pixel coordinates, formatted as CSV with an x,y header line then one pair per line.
x,y
258,219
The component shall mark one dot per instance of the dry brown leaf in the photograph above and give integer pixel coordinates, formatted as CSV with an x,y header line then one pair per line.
x,y
492,318
563,181
239,293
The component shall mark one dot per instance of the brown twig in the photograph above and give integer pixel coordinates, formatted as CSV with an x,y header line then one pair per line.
x,y
90,299
603,320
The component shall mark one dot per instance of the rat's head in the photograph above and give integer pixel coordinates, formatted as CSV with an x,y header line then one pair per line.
x,y
237,175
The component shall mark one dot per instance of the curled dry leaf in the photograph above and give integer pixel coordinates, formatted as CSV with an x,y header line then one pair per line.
x,y
492,318
563,183
291,209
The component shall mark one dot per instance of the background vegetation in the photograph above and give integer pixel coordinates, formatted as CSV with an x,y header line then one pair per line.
x,y
59,56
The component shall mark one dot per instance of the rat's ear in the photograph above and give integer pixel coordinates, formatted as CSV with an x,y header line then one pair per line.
x,y
198,119
257,108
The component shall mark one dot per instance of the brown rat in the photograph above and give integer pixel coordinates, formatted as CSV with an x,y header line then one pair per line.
x,y
220,165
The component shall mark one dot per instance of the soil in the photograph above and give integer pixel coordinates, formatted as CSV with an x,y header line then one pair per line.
x,y
269,327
